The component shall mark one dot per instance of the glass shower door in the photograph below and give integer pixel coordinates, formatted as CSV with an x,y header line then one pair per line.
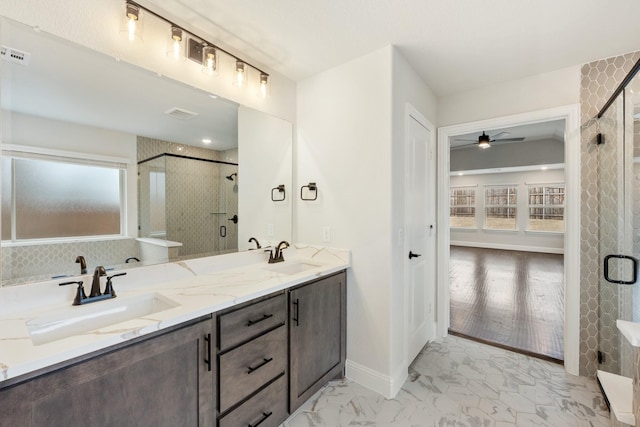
x,y
618,230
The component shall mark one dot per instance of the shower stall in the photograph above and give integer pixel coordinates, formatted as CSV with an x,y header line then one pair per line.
x,y
618,145
189,200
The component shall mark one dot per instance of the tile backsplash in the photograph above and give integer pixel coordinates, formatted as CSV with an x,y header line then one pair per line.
x,y
22,264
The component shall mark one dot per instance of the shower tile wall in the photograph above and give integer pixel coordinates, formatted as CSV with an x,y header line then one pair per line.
x,y
598,81
611,233
194,215
149,147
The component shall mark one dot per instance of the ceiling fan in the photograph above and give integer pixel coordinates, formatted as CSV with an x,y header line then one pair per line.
x,y
484,140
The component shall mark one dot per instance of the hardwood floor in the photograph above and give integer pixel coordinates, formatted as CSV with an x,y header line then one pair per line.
x,y
514,299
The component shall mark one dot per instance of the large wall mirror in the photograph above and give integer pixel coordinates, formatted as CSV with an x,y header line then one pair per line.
x,y
126,167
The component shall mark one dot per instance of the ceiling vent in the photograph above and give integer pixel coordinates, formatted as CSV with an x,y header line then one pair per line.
x,y
180,113
14,55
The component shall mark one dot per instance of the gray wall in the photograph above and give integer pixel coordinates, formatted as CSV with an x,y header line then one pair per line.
x,y
524,153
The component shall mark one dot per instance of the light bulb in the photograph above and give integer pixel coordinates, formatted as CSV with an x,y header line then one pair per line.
x,y
239,73
209,60
175,48
131,24
264,81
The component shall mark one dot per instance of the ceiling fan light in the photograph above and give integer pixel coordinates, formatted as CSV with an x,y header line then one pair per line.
x,y
484,141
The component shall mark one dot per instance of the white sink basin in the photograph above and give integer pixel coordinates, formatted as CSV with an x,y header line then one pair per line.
x,y
72,321
291,267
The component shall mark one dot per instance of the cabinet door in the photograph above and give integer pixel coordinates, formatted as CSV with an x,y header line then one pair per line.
x,y
317,334
163,381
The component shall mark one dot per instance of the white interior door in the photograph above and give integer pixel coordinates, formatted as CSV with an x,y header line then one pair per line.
x,y
420,193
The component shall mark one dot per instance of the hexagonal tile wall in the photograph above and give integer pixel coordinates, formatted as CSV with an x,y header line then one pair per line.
x,y
599,79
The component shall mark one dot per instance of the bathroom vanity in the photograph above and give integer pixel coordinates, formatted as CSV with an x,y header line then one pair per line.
x,y
251,360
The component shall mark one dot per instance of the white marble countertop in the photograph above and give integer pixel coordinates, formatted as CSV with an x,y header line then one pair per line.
x,y
197,287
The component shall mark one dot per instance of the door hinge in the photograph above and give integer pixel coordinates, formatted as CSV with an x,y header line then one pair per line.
x,y
600,357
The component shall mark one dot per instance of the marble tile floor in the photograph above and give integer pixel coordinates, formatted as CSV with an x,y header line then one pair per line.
x,y
455,382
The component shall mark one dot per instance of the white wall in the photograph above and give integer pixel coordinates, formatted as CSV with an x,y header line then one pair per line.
x,y
519,239
407,87
21,129
553,89
343,144
265,150
96,24
350,140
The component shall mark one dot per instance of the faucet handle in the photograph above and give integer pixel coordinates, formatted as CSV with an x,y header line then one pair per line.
x,y
271,258
80,295
108,288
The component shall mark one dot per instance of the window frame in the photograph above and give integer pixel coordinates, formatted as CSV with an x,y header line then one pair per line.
x,y
544,206
474,205
513,206
121,164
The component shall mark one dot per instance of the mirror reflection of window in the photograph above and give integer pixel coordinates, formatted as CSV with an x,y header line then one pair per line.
x,y
158,204
55,199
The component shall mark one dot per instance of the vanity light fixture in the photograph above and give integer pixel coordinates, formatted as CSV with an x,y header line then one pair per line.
x,y
132,24
209,59
184,44
241,78
264,85
175,43
206,141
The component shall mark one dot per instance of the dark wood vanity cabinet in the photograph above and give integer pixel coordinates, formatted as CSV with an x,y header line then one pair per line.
x,y
249,365
166,380
317,336
252,362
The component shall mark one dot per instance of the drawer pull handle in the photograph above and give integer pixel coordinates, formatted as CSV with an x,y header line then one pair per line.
x,y
296,311
253,322
265,415
207,338
264,362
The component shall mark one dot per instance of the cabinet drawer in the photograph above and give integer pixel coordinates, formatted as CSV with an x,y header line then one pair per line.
x,y
268,406
245,369
245,323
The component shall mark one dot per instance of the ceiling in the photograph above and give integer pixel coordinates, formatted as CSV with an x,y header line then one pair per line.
x,y
64,81
455,45
553,130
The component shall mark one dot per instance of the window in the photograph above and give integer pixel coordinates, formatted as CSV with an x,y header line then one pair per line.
x,y
500,206
546,207
45,197
462,207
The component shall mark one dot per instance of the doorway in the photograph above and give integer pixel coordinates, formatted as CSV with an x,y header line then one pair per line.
x,y
507,192
571,217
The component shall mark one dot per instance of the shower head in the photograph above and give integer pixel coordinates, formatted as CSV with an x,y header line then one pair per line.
x,y
230,177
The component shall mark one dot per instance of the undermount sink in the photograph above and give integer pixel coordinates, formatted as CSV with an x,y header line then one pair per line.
x,y
72,321
292,267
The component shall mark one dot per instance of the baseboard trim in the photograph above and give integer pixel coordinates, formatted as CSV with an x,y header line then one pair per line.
x,y
373,380
398,379
507,247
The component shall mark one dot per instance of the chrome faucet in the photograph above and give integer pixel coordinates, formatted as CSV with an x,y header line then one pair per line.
x,y
95,284
277,257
